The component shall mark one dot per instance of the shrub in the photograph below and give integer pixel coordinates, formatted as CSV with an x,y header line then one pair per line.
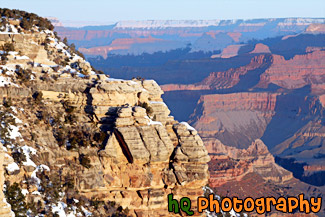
x,y
16,199
65,41
84,161
7,103
8,47
6,120
148,108
38,96
23,75
25,24
19,156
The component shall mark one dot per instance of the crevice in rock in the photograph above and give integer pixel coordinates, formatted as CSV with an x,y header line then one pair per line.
x,y
145,146
125,149
89,109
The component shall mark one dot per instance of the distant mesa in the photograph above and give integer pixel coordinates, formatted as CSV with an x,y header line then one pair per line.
x,y
261,48
316,28
229,51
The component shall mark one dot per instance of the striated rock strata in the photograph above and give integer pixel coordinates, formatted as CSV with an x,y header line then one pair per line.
x,y
101,139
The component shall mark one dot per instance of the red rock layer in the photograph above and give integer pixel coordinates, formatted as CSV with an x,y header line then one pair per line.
x,y
261,48
261,101
117,44
221,80
232,164
297,72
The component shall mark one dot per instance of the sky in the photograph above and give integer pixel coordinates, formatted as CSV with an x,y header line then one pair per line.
x,y
109,11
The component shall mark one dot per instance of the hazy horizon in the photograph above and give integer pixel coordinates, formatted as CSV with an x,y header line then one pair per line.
x,y
100,12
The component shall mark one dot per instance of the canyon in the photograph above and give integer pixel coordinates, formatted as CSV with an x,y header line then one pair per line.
x,y
135,37
257,104
84,143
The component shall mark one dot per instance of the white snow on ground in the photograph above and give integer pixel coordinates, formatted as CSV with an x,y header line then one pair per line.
x,y
13,53
22,57
14,132
24,192
87,213
12,167
36,193
6,81
151,122
122,80
38,168
189,127
59,209
156,102
13,108
9,29
58,45
28,151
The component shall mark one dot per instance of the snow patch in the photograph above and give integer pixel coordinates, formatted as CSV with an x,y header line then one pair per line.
x,y
12,167
28,151
5,81
151,122
189,127
157,102
24,192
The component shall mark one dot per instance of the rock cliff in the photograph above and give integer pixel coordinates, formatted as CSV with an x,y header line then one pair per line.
x,y
232,164
297,72
79,142
236,119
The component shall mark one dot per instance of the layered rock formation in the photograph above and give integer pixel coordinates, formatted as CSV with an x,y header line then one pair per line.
x,y
200,33
89,138
297,72
232,164
228,79
5,208
236,119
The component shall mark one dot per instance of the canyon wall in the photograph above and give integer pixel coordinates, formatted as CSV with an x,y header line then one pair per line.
x,y
236,119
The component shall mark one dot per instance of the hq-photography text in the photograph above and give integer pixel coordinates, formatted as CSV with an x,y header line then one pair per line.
x,y
259,205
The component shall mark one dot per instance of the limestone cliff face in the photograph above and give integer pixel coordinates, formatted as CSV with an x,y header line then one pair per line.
x,y
297,72
236,119
226,79
97,138
5,209
232,164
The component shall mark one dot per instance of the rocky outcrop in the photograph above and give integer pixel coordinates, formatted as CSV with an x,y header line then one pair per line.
x,y
316,28
118,44
261,48
5,208
226,79
103,140
236,119
143,159
232,164
295,73
228,52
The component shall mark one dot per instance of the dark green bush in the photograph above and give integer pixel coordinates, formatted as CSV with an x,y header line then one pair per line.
x,y
27,19
8,47
24,75
16,199
37,96
147,107
84,161
6,120
19,156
